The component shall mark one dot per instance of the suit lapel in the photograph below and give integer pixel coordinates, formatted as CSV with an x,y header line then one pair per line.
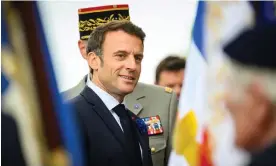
x,y
144,146
104,113
141,138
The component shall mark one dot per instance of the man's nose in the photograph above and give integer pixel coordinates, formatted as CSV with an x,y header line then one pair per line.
x,y
131,63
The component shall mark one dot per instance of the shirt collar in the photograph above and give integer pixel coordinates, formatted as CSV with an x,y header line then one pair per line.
x,y
107,99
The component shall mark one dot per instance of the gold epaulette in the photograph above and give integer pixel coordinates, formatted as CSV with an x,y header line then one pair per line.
x,y
168,90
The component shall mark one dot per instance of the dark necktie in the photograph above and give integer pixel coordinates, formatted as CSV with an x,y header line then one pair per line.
x,y
131,137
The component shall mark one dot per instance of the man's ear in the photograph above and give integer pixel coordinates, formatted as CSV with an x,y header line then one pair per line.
x,y
82,49
93,61
257,91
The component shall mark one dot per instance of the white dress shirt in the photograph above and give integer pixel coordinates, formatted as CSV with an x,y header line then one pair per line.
x,y
107,99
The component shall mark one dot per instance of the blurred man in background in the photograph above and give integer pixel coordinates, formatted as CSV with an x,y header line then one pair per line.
x,y
142,101
252,92
170,73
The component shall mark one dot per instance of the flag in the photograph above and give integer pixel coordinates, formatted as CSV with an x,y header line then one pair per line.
x,y
191,110
204,133
14,87
47,127
203,129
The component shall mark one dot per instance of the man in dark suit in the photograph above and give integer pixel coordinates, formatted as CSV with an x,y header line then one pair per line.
x,y
142,101
113,135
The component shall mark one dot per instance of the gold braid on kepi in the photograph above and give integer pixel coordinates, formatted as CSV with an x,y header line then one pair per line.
x,y
90,18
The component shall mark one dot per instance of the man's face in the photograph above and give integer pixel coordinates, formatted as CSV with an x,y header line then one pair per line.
x,y
82,44
119,68
251,114
172,79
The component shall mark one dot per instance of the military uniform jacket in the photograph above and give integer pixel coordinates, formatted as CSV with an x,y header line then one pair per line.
x,y
148,101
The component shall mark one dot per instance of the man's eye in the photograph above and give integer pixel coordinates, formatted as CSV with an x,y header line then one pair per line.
x,y
120,55
139,59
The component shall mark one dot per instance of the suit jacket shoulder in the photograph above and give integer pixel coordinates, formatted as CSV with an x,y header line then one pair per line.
x,y
154,93
75,91
148,88
156,96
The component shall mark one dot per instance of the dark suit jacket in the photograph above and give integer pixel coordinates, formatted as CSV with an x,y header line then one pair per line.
x,y
264,158
11,148
103,137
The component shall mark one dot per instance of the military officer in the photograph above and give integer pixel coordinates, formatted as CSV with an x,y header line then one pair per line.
x,y
154,104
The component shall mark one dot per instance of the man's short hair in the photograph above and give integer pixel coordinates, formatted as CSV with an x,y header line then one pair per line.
x,y
240,76
97,37
170,63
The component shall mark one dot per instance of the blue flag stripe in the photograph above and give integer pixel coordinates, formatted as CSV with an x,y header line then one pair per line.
x,y
198,27
66,117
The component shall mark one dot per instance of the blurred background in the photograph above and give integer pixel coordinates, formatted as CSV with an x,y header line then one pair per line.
x,y
167,25
40,58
